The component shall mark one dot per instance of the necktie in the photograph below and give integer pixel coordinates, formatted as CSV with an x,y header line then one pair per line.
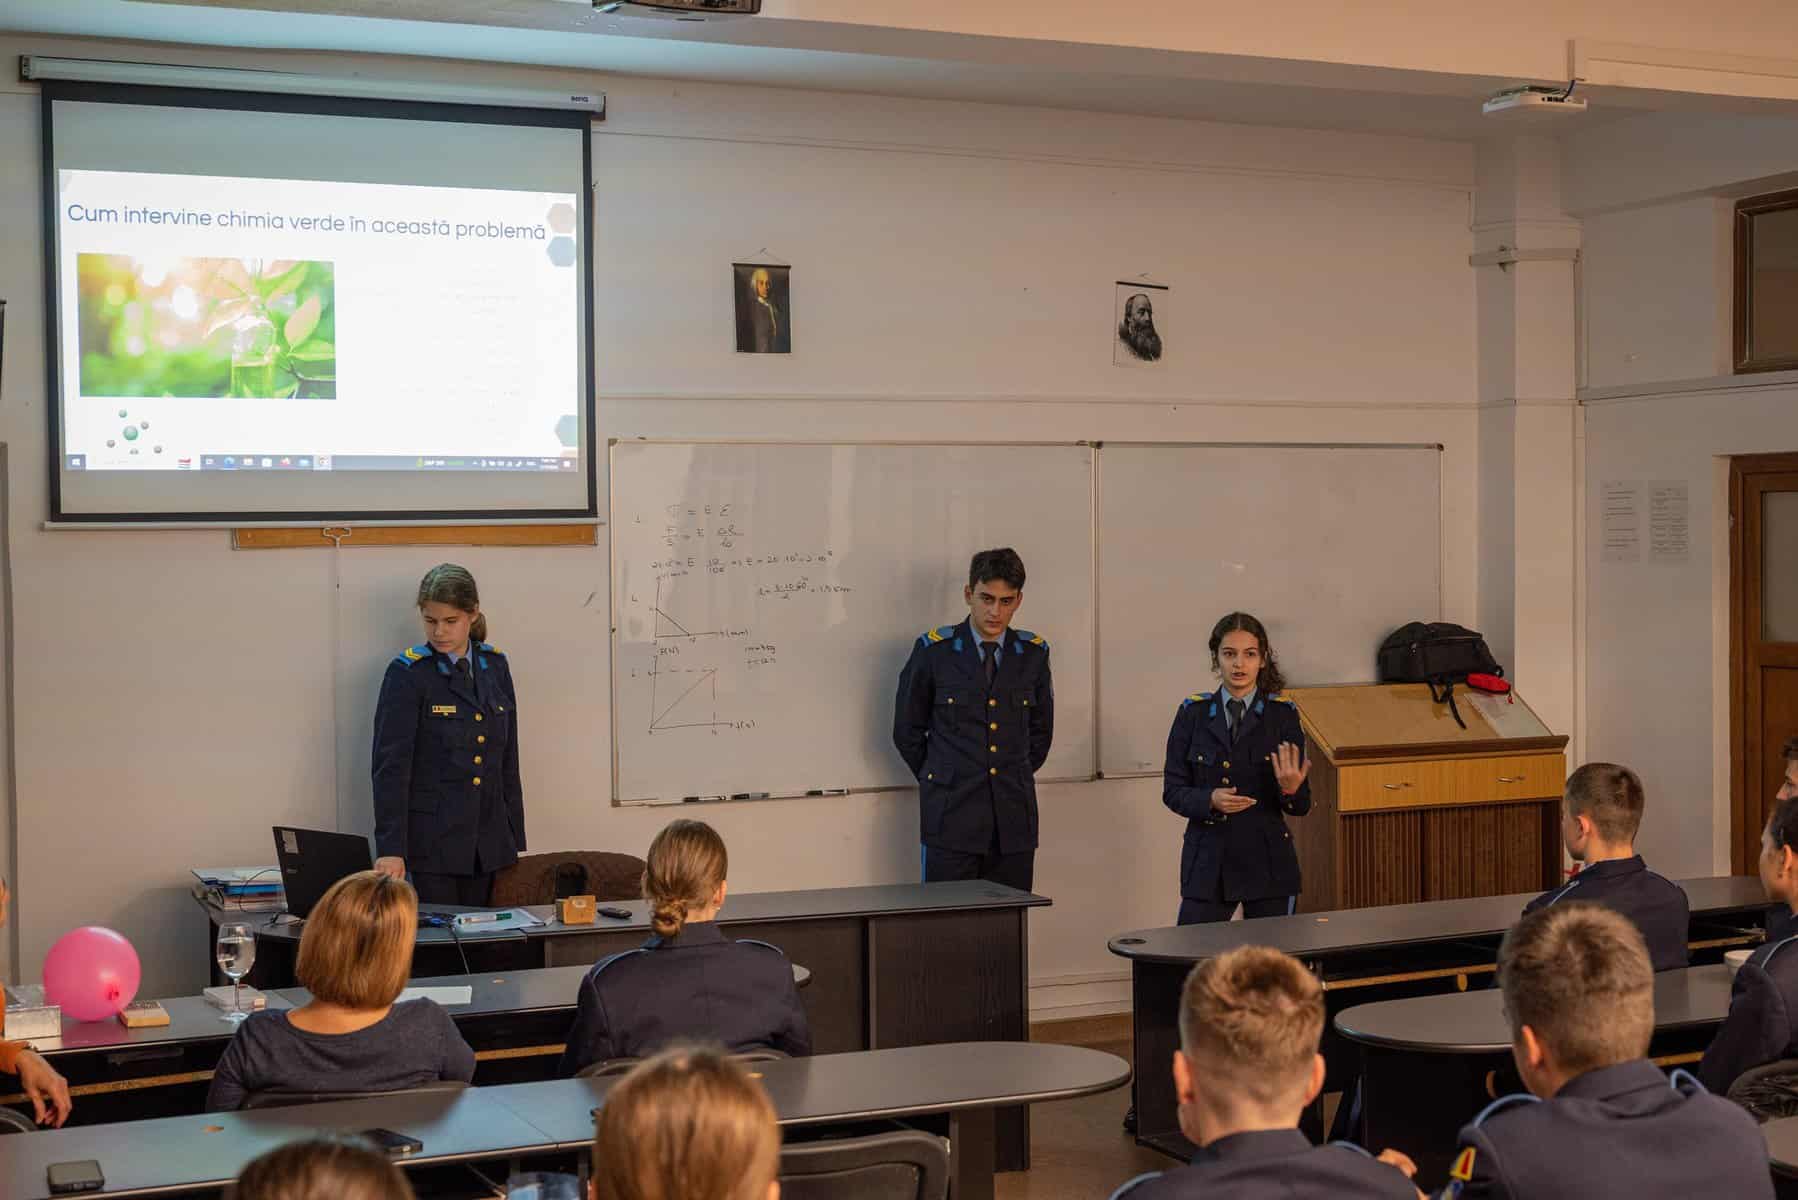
x,y
1234,707
466,669
991,650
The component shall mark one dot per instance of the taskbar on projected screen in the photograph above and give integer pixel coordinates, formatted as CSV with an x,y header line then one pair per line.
x,y
328,462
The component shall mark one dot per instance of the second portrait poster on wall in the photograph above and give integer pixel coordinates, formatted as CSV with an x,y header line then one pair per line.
x,y
1139,317
764,308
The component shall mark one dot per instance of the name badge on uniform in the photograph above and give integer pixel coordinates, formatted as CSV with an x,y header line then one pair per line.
x,y
443,710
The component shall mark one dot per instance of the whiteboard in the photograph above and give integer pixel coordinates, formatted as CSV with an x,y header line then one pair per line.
x,y
1332,547
766,596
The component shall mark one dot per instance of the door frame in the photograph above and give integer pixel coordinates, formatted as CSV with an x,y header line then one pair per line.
x,y
1744,613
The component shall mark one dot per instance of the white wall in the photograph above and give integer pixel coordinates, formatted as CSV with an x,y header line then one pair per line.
x,y
953,268
1656,197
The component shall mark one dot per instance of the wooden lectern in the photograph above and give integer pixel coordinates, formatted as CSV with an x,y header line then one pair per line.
x,y
1408,806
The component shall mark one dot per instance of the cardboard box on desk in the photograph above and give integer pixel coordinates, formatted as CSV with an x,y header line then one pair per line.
x,y
577,910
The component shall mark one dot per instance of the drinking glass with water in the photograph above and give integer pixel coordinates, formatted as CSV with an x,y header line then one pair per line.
x,y
236,955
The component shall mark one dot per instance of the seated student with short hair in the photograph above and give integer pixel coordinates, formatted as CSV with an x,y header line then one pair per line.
x,y
1601,1119
355,957
1601,811
1762,1025
688,981
321,1169
688,1124
1250,1021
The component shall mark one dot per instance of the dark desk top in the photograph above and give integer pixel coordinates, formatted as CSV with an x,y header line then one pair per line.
x,y
175,1153
739,909
1358,929
178,1153
832,1088
191,1019
1474,1022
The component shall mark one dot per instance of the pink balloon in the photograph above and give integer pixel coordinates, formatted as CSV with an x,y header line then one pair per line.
x,y
92,973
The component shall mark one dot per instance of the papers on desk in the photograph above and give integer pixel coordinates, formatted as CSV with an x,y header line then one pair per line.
x,y
445,996
244,889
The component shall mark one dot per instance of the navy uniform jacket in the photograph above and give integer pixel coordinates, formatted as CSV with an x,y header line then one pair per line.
x,y
1248,856
447,795
974,749
1274,1163
695,986
1656,904
1624,1132
1762,1025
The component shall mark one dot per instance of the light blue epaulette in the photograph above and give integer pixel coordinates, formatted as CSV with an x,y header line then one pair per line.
x,y
412,654
490,648
1195,698
1279,699
939,634
1035,639
1502,1103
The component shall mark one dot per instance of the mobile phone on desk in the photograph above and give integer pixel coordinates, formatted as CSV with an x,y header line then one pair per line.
x,y
394,1145
69,1178
617,914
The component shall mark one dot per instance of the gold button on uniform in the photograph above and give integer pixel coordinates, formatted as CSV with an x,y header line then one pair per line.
x,y
994,725
992,704
1226,766
477,781
480,739
993,749
952,699
477,760
992,770
477,716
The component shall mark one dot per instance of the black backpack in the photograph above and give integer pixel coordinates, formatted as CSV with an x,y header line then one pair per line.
x,y
1438,654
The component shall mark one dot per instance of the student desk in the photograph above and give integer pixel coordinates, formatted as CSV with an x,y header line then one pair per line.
x,y
895,965
1782,1152
1364,955
197,1155
515,1022
1426,1060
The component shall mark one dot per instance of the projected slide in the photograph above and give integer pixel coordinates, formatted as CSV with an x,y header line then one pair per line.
x,y
211,323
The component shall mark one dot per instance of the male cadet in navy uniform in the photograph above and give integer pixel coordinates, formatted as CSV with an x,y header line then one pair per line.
x,y
1762,1026
449,806
1602,1120
1601,812
973,720
1247,1067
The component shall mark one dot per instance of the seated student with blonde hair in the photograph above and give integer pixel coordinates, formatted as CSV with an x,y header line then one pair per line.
x,y
1601,812
688,981
1250,1022
688,1124
355,957
1762,1026
321,1169
1600,1119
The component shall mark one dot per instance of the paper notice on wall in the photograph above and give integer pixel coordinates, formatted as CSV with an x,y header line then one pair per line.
x,y
1669,521
1620,522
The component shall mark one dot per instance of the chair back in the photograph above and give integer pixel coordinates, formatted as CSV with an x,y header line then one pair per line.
x,y
907,1164
546,878
605,1068
1768,1092
279,1099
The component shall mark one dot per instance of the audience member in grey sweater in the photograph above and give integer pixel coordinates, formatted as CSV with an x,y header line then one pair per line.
x,y
355,957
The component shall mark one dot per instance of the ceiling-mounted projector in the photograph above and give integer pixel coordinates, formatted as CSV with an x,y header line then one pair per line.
x,y
680,10
1533,99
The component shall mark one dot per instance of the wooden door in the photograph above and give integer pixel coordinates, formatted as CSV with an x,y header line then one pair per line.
x,y
1763,581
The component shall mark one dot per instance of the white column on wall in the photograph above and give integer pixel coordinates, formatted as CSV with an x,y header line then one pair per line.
x,y
1528,424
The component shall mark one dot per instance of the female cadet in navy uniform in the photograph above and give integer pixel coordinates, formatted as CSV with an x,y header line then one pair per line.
x,y
688,982
1235,767
449,808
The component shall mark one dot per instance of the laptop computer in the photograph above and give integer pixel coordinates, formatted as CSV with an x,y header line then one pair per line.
x,y
314,859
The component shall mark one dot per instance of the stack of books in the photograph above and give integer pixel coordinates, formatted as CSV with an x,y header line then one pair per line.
x,y
244,889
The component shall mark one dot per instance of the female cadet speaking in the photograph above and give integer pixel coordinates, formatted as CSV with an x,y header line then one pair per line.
x,y
1235,769
448,805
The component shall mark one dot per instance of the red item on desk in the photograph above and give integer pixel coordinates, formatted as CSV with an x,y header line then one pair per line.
x,y
1489,683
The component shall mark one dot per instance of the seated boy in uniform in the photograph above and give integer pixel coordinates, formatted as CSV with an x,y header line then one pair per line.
x,y
1247,1066
1601,1120
1762,1025
1600,814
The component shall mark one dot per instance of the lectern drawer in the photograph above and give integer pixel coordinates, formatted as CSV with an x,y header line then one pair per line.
x,y
1519,777
1394,785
